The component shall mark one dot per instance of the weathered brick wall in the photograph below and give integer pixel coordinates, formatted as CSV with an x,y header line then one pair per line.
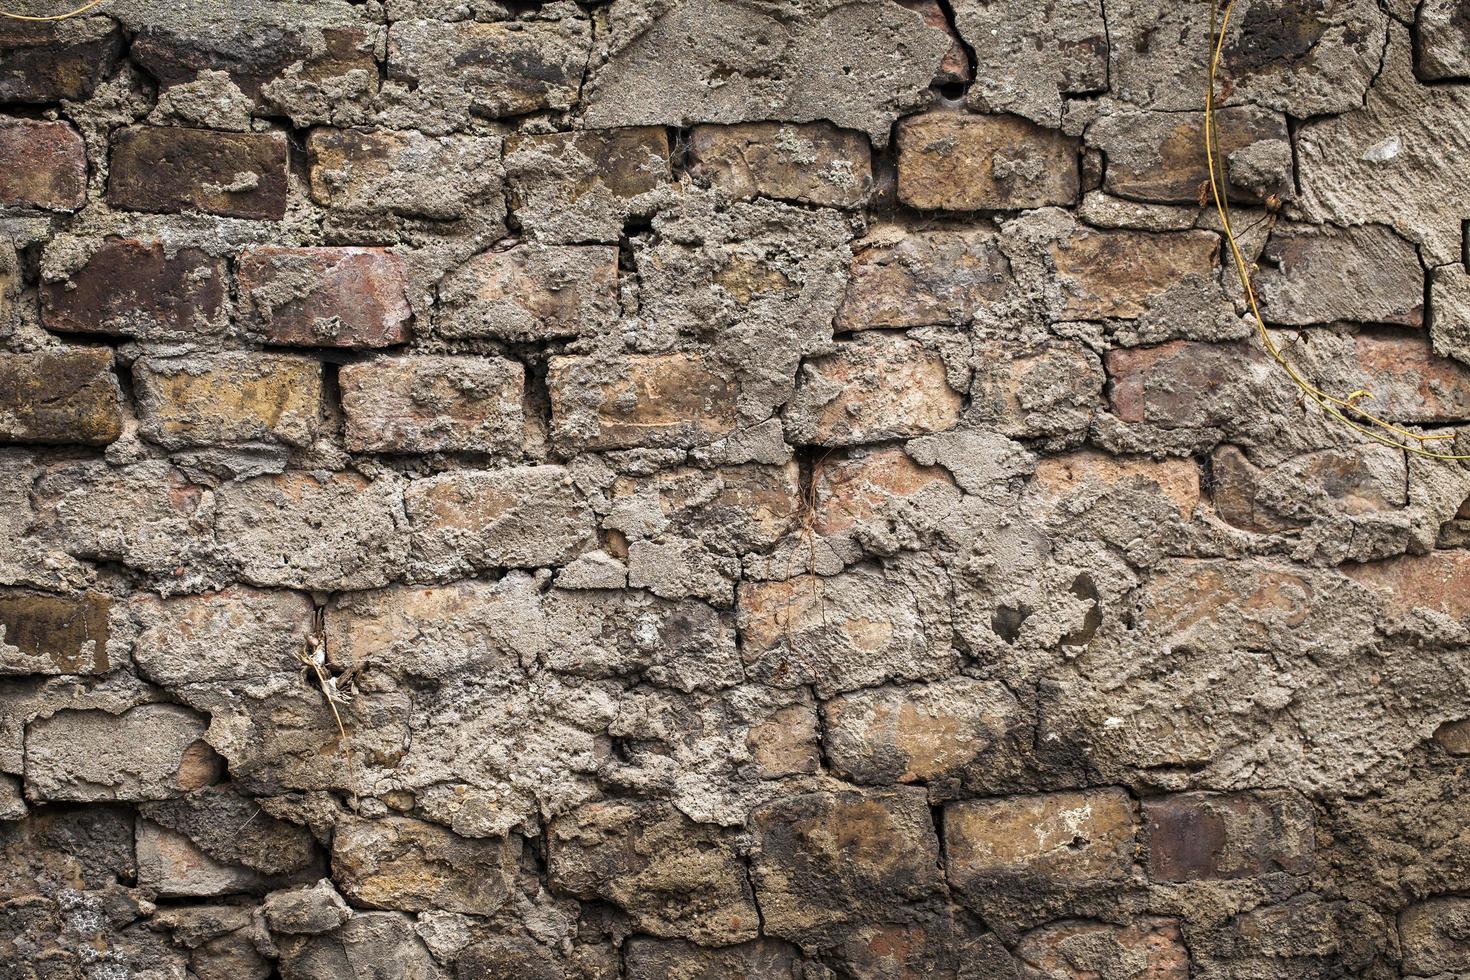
x,y
778,490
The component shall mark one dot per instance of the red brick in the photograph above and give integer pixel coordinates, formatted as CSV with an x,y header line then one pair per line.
x,y
1152,948
55,61
953,162
851,492
1057,838
42,165
1182,383
140,289
1158,156
65,395
1198,836
1409,383
1350,480
326,297
1089,471
1439,581
171,169
582,186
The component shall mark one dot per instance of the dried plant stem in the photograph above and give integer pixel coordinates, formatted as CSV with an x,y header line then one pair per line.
x,y
1373,426
70,13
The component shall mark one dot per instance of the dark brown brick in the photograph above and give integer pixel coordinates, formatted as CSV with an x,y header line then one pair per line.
x,y
69,395
53,634
140,289
1195,836
42,165
326,297
54,61
169,169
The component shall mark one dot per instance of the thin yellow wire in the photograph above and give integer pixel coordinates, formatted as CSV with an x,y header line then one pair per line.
x,y
70,13
1331,404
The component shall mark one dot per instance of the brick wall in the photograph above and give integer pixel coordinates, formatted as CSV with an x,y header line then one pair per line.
x,y
770,491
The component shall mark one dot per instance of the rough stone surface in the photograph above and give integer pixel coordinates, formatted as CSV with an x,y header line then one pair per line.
x,y
719,489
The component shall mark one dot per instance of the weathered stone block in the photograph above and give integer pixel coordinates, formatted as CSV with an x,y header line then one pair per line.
x,y
309,909
643,400
814,163
228,399
856,629
429,404
1181,384
467,628
1105,274
920,734
1319,274
874,388
326,297
1433,934
1195,836
54,634
1352,481
655,959
153,752
471,69
362,173
42,165
862,491
1047,391
675,878
582,186
824,860
171,169
732,510
146,290
171,866
375,945
1441,41
1158,156
239,634
1054,840
1029,56
49,62
1153,949
917,279
1449,312
858,65
62,395
531,292
521,517
302,530
953,162
409,865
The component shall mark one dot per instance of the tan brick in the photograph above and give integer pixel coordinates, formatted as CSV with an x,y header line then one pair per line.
x,y
953,162
785,744
147,290
852,492
49,62
1319,274
228,399
42,165
922,733
521,517
875,387
1089,471
582,186
412,866
675,878
1408,382
326,297
364,172
1116,274
172,866
238,634
1058,839
171,169
62,395
1195,836
814,163
1153,949
54,634
422,404
732,510
1439,581
1442,41
825,859
1158,156
531,293
1028,392
642,400
915,279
